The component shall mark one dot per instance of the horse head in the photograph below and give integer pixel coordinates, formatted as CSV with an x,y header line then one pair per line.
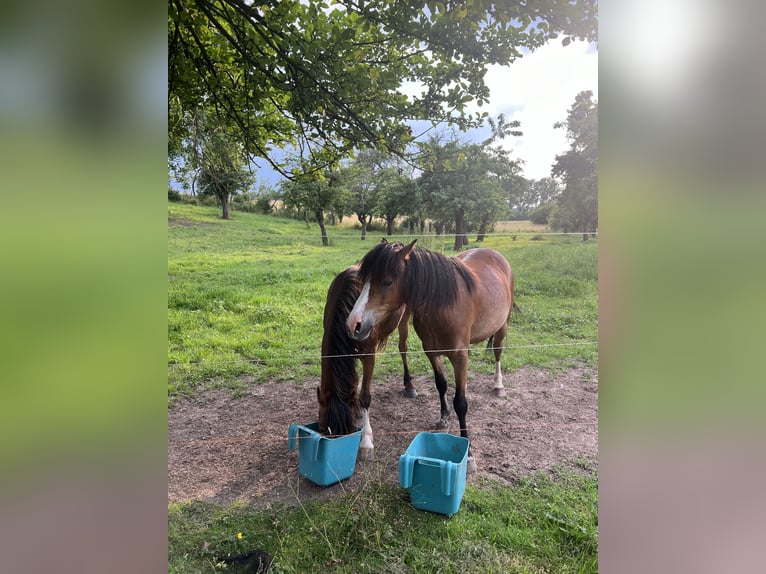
x,y
381,271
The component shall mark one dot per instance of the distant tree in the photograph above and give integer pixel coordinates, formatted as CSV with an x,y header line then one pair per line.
x,y
443,183
311,193
544,190
501,175
396,195
359,178
541,215
465,183
266,198
515,193
538,199
577,206
212,161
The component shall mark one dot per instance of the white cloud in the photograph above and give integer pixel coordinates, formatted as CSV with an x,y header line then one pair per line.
x,y
537,90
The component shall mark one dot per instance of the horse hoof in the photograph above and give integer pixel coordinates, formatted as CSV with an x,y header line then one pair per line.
x,y
498,392
471,467
367,454
442,424
410,393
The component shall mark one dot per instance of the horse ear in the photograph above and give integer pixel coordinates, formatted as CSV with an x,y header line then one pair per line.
x,y
405,252
383,240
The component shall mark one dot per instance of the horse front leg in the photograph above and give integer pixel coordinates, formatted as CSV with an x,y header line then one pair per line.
x,y
441,386
366,446
459,362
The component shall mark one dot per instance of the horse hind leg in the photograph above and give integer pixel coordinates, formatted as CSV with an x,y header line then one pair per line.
x,y
498,389
404,329
409,388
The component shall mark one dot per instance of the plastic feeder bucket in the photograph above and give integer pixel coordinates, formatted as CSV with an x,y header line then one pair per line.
x,y
321,459
433,468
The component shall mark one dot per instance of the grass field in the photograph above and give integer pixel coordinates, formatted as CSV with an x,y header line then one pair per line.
x,y
541,525
245,297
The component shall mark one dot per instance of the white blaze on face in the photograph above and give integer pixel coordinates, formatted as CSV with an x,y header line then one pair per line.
x,y
360,307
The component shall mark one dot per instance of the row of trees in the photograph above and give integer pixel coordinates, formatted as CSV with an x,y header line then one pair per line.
x,y
461,187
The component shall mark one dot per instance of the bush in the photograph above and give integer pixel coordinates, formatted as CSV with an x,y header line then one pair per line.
x,y
244,202
264,204
173,195
209,200
541,215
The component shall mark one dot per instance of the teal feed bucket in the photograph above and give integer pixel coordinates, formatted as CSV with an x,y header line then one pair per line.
x,y
433,468
323,460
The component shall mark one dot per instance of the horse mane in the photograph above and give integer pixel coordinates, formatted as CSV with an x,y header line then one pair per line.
x,y
339,375
431,280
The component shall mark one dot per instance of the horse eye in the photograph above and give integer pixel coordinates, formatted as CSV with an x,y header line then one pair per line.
x,y
387,283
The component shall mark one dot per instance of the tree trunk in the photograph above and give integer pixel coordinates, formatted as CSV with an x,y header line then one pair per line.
x,y
389,225
224,197
322,228
332,217
363,220
584,233
482,232
460,237
439,226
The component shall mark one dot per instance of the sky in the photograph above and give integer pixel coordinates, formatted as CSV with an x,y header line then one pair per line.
x,y
538,90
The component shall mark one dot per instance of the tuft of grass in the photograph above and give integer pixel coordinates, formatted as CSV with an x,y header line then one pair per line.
x,y
542,524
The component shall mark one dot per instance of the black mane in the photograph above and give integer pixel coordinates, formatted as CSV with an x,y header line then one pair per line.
x,y
429,280
339,351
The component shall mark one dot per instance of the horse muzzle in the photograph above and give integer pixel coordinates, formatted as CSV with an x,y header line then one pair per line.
x,y
360,330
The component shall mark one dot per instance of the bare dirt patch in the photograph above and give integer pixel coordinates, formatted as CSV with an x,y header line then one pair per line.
x,y
227,449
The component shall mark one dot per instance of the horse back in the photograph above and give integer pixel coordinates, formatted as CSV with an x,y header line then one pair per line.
x,y
493,299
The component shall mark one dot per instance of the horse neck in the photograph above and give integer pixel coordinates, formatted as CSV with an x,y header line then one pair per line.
x,y
433,281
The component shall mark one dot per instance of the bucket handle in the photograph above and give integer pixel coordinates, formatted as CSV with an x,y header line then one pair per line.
x,y
313,437
447,471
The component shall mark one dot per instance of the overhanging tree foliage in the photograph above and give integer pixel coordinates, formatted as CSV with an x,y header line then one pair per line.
x,y
328,78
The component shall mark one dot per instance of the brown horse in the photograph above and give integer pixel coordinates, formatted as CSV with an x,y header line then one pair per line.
x,y
343,406
454,301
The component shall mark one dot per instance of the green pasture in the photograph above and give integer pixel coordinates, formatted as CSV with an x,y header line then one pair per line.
x,y
245,303
246,297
